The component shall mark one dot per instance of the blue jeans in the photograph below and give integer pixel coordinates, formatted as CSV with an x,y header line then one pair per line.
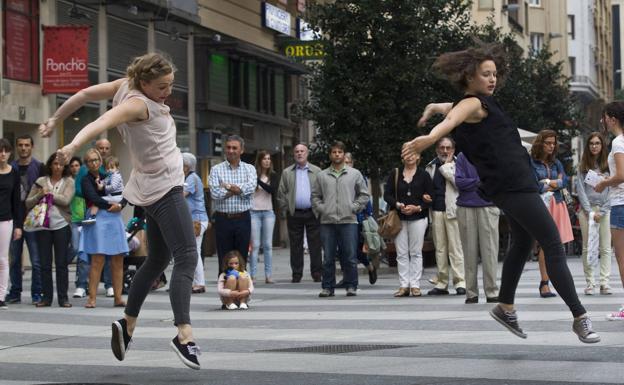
x,y
343,237
82,267
15,269
262,223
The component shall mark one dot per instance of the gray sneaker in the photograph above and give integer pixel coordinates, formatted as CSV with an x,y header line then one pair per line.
x,y
351,292
508,319
326,293
582,326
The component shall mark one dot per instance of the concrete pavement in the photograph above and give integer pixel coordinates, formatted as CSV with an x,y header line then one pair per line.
x,y
290,336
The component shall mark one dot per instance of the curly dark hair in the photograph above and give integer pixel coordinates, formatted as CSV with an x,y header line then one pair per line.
x,y
458,66
537,149
48,166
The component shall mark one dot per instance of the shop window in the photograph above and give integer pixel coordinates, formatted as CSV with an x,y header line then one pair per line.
x,y
235,71
21,40
252,87
218,79
280,102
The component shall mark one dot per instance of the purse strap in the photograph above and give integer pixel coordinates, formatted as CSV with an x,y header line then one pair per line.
x,y
396,183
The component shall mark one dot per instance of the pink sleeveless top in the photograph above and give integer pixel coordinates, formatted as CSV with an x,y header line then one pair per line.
x,y
156,158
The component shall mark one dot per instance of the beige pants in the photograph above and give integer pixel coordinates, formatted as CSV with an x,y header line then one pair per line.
x,y
478,228
448,247
604,245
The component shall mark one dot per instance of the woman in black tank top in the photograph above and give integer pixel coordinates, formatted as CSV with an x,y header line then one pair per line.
x,y
491,142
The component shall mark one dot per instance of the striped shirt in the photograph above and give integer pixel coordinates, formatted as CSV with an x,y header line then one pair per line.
x,y
244,176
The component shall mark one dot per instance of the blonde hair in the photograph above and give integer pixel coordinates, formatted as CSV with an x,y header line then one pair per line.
x,y
92,150
147,68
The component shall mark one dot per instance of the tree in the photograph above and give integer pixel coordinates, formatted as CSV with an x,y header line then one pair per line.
x,y
375,78
373,82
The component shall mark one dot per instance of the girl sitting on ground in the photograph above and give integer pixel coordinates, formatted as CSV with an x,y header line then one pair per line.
x,y
234,284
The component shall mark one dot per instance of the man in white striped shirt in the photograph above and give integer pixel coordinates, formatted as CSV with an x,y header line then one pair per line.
x,y
232,184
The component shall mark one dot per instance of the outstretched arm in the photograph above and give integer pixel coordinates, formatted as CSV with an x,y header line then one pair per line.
x,y
433,109
469,109
79,99
131,110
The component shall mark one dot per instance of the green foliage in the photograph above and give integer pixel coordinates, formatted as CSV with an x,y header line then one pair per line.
x,y
376,79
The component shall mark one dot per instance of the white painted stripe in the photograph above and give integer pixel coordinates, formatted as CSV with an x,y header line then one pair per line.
x,y
496,336
477,314
528,370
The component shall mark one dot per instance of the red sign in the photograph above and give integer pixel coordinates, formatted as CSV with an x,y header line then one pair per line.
x,y
21,41
65,58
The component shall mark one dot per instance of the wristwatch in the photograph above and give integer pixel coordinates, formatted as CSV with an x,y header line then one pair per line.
x,y
547,181
228,186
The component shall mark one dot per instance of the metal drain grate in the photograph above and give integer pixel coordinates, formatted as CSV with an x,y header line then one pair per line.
x,y
333,349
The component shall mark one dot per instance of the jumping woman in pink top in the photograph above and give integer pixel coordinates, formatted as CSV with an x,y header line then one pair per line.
x,y
140,114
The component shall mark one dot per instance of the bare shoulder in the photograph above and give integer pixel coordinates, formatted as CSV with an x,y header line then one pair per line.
x,y
473,107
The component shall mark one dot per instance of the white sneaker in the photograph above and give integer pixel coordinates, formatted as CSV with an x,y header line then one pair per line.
x,y
232,306
243,306
589,290
80,293
110,292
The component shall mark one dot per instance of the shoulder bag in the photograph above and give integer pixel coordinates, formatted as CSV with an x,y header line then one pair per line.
x,y
390,224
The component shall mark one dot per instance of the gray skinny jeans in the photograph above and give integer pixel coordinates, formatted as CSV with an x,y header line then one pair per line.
x,y
169,232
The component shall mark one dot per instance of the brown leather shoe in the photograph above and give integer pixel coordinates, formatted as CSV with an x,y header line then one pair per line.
x,y
415,292
269,280
402,292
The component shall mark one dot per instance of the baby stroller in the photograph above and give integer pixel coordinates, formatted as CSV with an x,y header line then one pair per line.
x,y
135,230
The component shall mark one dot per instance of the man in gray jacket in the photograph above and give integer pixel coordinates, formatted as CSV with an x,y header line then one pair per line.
x,y
294,198
339,193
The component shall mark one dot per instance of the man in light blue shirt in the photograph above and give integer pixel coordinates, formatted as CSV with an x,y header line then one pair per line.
x,y
232,184
294,199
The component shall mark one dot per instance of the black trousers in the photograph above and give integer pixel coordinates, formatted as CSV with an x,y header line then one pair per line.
x,y
300,222
529,219
232,234
57,240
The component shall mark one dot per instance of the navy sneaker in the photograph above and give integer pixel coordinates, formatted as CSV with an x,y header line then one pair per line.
x,y
120,339
13,300
36,299
187,353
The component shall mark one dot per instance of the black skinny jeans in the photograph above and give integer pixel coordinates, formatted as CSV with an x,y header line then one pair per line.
x,y
529,219
169,232
47,242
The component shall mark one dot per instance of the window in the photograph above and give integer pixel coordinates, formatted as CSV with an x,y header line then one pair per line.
x,y
537,41
571,27
486,4
535,3
513,15
572,61
21,40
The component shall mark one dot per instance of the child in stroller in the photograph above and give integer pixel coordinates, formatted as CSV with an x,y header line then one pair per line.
x,y
135,230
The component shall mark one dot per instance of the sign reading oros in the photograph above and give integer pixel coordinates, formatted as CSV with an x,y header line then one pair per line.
x,y
304,50
65,58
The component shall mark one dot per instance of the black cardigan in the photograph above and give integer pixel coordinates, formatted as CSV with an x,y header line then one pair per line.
x,y
421,184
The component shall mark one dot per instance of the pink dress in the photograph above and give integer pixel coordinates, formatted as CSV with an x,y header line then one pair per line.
x,y
559,212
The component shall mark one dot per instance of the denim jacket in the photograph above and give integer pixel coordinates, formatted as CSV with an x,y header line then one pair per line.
x,y
552,172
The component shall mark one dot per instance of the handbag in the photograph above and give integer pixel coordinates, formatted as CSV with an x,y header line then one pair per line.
x,y
38,217
567,197
390,224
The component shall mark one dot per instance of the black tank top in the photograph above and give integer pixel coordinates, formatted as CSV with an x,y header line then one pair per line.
x,y
494,147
